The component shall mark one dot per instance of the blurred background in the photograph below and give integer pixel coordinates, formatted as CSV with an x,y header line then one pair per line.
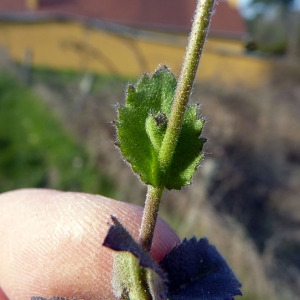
x,y
64,66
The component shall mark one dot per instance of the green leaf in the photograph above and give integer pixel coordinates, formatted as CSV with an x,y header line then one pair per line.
x,y
128,277
152,95
141,127
187,154
135,274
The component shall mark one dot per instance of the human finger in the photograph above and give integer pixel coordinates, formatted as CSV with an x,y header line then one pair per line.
x,y
51,243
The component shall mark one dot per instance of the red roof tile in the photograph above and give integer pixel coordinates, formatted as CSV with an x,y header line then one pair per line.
x,y
146,14
12,5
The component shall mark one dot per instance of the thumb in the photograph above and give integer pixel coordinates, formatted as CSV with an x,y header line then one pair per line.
x,y
51,243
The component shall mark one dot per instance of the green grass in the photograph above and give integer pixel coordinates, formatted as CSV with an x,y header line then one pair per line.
x,y
63,77
35,151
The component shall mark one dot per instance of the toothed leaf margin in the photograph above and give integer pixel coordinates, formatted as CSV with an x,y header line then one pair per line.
x,y
141,126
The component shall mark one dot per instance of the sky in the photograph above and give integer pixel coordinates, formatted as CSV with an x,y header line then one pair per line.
x,y
243,5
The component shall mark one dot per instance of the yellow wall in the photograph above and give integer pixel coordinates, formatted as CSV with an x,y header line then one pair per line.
x,y
70,45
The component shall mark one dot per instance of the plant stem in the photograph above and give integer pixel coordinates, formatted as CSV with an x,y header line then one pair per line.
x,y
182,94
186,79
149,216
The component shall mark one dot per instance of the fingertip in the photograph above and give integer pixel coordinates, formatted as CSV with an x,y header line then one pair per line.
x,y
2,295
164,240
55,243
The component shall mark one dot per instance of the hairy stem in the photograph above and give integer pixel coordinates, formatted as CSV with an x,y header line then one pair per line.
x,y
149,216
182,94
186,80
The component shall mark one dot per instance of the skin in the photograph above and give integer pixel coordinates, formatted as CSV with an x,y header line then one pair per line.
x,y
51,243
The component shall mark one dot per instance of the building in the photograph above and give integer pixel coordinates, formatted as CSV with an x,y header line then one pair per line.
x,y
126,37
